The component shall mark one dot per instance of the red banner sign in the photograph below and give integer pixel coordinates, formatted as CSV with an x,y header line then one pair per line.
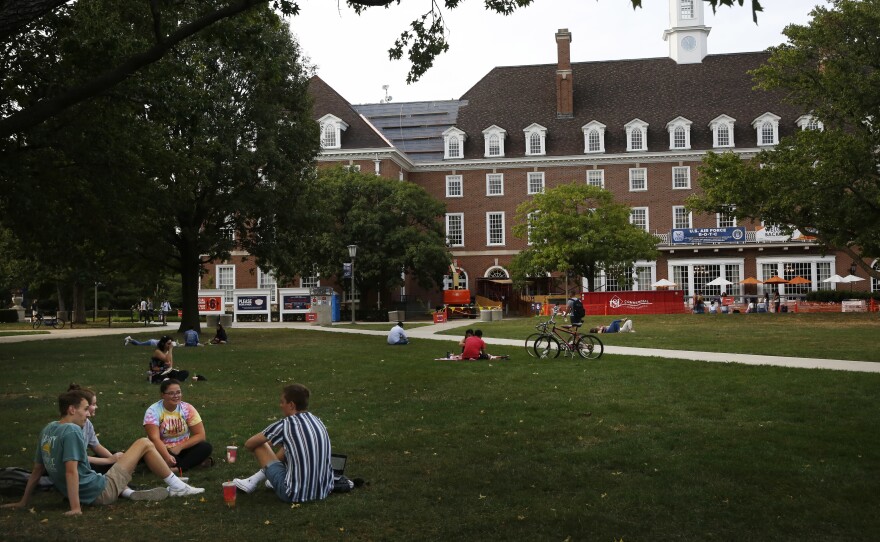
x,y
639,302
211,303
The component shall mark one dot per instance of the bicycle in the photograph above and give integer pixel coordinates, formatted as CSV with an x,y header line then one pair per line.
x,y
553,342
534,337
53,321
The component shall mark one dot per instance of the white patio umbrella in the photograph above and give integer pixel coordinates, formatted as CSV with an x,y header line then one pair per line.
x,y
719,282
663,283
835,279
851,278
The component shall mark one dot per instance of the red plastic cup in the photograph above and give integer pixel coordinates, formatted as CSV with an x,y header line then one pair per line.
x,y
231,454
229,494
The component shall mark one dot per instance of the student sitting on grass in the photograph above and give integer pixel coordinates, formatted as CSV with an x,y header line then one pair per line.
x,y
176,429
162,363
103,458
397,336
220,336
61,453
301,470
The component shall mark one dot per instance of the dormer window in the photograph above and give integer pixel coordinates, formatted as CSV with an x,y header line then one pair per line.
x,y
594,137
636,135
331,131
493,137
809,122
679,133
767,128
722,131
453,143
536,137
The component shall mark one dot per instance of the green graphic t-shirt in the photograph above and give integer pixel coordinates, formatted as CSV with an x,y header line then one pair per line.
x,y
62,442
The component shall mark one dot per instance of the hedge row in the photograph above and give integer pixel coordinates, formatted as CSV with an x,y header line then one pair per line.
x,y
836,296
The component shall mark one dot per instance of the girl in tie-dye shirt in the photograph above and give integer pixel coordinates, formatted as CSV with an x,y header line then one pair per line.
x,y
176,429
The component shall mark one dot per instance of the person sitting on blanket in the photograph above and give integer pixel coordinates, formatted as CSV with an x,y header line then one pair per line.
x,y
475,348
468,333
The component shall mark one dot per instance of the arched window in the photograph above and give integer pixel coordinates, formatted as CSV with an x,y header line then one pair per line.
x,y
535,144
494,145
497,273
636,139
767,133
723,136
680,138
328,139
454,147
593,142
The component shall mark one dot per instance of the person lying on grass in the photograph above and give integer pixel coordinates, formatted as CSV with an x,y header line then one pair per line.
x,y
61,453
300,471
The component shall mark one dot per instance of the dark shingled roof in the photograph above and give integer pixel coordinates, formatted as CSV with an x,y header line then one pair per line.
x,y
360,134
655,90
415,128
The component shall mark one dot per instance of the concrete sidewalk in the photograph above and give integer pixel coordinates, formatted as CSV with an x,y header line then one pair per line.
x,y
430,332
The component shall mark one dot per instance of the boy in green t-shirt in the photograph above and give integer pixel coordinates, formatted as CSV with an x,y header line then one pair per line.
x,y
61,455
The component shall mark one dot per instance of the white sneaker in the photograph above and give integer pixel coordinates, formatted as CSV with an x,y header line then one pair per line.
x,y
127,340
186,491
269,485
244,485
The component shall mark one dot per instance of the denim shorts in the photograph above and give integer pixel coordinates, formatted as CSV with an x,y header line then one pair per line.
x,y
276,473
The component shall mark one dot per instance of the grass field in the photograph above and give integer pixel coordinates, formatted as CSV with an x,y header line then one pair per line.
x,y
624,448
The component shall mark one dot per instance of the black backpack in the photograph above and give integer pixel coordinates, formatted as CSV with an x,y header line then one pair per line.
x,y
577,311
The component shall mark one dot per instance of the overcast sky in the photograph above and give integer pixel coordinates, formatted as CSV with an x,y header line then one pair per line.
x,y
350,52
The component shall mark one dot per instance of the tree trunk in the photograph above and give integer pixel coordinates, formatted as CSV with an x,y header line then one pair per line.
x,y
62,306
190,268
79,303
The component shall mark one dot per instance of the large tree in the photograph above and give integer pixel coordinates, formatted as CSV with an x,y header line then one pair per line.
x,y
397,227
577,228
170,23
825,182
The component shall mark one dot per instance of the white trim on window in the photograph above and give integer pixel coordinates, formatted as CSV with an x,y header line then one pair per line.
x,y
529,219
453,143
596,177
636,135
594,137
638,216
495,228
681,177
225,275
265,279
722,131
494,184
638,179
493,140
535,182
331,131
679,130
455,229
536,140
454,186
809,122
726,220
681,217
767,129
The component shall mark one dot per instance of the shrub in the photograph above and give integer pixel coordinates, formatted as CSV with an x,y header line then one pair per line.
x,y
8,316
836,296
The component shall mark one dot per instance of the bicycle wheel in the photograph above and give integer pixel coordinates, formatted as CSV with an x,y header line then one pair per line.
x,y
590,347
58,324
530,343
37,323
547,347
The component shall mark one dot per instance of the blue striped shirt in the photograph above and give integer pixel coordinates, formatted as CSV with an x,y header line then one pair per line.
x,y
306,455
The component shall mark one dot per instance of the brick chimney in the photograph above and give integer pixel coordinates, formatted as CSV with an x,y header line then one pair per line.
x,y
564,90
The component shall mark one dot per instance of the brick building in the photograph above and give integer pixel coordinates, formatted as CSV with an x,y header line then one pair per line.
x,y
638,128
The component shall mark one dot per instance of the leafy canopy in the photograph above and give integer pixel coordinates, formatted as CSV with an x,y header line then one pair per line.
x,y
580,229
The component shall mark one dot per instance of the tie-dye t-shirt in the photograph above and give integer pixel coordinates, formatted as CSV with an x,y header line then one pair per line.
x,y
174,424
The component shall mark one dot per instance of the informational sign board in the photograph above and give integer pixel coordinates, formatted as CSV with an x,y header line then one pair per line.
x,y
251,301
294,301
697,236
212,301
634,302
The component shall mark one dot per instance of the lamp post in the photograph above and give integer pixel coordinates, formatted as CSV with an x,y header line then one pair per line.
x,y
352,252
852,269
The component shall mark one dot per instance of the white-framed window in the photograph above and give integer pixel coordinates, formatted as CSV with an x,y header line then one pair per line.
x,y
636,135
681,218
530,218
687,9
596,177
331,131
726,220
722,131
309,282
638,179
679,130
355,167
536,137
226,280
495,228
594,137
454,186
638,217
493,137
809,122
681,177
494,184
455,229
266,279
767,128
535,182
227,231
453,143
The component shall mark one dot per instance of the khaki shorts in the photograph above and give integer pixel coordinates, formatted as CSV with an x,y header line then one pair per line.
x,y
117,480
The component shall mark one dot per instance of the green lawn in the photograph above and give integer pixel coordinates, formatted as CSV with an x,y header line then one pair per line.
x,y
627,448
816,335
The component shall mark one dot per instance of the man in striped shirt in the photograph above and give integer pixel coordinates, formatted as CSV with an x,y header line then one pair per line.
x,y
300,471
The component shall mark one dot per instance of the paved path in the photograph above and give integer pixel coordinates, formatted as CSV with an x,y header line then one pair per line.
x,y
430,332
